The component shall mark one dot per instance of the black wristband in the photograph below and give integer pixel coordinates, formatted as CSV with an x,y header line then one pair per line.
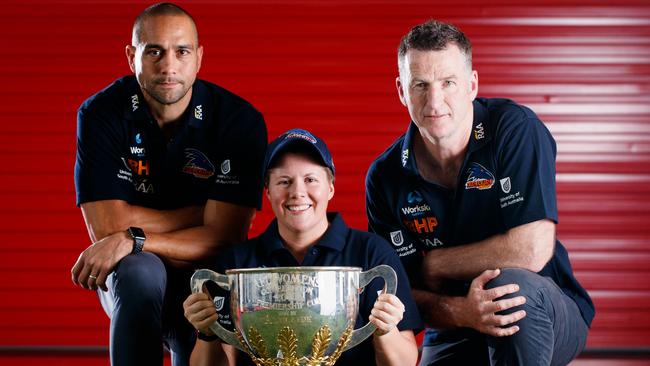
x,y
205,337
138,237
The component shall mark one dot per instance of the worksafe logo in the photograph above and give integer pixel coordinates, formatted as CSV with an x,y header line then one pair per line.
x,y
138,139
478,177
414,197
198,164
416,205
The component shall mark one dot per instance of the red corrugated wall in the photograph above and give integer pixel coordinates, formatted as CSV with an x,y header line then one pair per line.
x,y
329,66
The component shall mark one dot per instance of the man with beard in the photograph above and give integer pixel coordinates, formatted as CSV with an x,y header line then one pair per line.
x,y
168,173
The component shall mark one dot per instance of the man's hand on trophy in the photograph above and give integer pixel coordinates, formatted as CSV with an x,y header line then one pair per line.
x,y
386,314
200,312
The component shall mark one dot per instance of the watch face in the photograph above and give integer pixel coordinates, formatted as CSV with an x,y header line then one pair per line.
x,y
137,233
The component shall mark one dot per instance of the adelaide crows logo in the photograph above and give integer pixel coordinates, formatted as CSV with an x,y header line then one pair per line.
x,y
198,164
478,177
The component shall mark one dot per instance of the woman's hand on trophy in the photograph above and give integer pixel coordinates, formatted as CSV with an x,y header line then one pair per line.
x,y
200,312
387,312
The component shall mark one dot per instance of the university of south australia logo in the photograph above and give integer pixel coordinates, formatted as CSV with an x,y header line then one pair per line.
x,y
218,302
225,166
505,184
397,238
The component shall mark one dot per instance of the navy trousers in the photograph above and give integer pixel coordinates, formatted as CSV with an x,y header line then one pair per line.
x,y
552,333
145,303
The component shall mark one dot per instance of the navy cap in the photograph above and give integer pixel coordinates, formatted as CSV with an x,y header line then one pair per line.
x,y
302,137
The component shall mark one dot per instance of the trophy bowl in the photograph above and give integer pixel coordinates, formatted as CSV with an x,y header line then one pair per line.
x,y
294,316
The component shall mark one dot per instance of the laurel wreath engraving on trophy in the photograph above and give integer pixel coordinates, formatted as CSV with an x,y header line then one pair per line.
x,y
287,344
294,316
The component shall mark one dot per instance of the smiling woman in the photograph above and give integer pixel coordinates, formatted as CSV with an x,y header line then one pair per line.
x,y
300,182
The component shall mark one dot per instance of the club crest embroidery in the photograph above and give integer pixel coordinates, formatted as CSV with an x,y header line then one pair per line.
x,y
478,177
198,164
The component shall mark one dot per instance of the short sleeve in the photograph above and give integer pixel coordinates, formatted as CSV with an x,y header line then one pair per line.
x,y
239,179
526,161
100,171
382,222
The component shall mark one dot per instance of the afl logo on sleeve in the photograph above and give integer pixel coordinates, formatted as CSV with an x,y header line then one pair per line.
x,y
478,177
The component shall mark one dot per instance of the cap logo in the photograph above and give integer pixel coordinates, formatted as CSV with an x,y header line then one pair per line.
x,y
294,135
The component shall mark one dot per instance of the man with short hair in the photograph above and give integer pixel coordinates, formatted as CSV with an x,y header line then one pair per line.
x,y
467,198
168,173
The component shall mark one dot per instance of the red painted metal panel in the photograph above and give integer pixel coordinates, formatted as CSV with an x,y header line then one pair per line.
x,y
583,66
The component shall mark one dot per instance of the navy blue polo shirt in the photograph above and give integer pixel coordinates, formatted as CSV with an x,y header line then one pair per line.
x,y
339,246
507,179
216,151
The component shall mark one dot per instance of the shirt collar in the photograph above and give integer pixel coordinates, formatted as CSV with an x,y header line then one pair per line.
x,y
480,129
479,137
407,157
136,109
334,237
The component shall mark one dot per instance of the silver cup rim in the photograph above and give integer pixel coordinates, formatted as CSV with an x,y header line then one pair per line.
x,y
296,269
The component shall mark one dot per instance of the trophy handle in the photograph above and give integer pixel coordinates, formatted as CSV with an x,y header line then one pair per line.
x,y
196,282
390,279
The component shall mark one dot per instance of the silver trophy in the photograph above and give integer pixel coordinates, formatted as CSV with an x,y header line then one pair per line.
x,y
294,316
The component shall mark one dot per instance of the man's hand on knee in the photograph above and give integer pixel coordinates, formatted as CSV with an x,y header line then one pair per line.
x,y
479,308
98,260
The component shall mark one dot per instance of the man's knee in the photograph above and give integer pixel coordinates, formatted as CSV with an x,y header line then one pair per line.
x,y
142,276
528,282
532,286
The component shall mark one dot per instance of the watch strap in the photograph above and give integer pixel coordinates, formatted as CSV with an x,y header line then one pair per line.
x,y
205,337
137,234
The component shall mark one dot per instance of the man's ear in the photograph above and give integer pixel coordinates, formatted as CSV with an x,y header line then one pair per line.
x,y
199,54
400,90
473,84
130,57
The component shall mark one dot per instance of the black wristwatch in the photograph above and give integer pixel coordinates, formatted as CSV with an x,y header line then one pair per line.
x,y
138,239
206,338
